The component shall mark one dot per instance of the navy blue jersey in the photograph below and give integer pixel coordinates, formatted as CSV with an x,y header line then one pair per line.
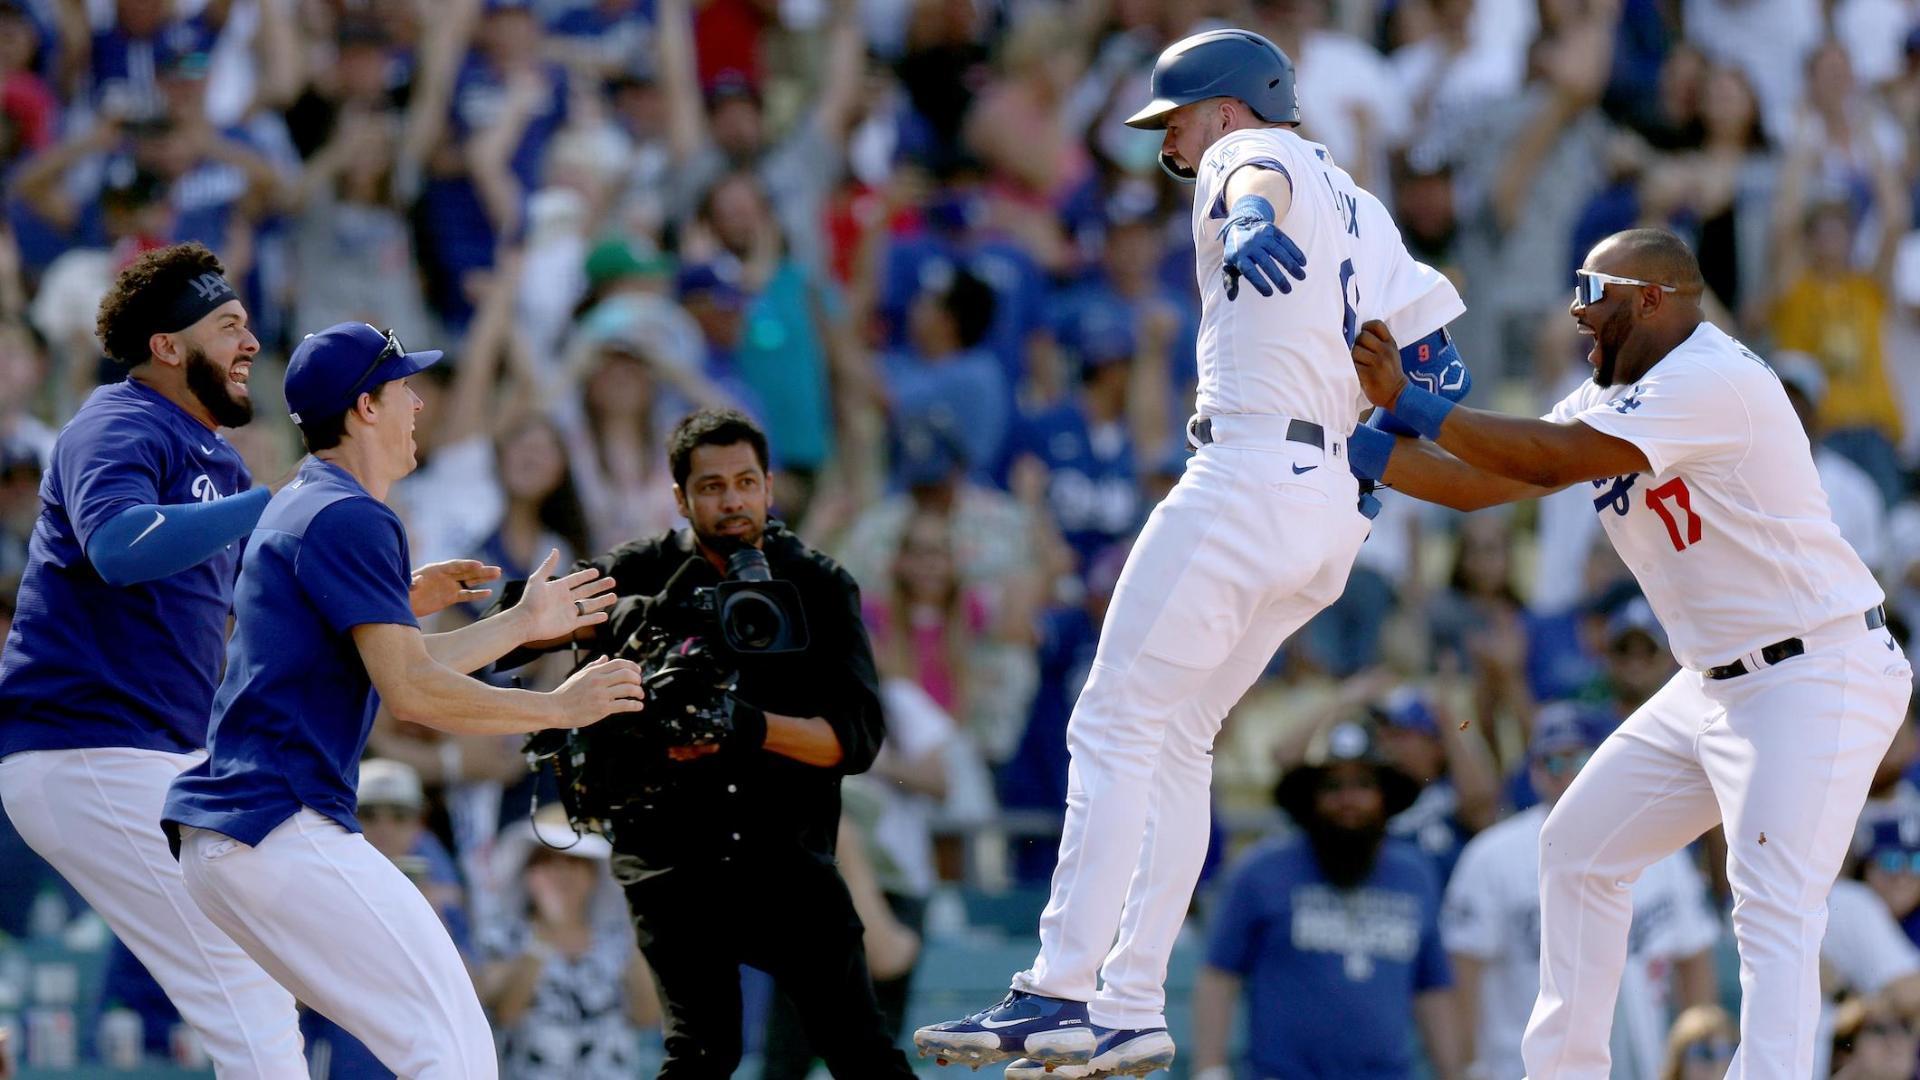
x,y
89,664
296,705
1315,958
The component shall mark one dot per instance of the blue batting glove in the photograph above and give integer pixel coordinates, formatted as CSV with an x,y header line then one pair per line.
x,y
1257,250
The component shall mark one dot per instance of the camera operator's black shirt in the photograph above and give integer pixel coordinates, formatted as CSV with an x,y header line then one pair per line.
x,y
732,803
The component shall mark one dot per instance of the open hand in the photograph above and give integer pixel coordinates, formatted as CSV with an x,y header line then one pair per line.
x,y
437,586
1256,249
1376,359
557,607
604,687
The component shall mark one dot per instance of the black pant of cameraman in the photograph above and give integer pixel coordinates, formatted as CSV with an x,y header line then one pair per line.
x,y
789,1056
791,918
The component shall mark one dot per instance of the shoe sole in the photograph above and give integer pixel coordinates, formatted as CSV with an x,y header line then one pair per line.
x,y
977,1048
1141,1057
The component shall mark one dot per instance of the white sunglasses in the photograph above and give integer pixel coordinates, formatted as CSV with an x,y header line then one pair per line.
x,y
1590,285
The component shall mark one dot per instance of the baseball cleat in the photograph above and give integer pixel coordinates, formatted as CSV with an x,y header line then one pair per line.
x,y
1051,1031
1117,1052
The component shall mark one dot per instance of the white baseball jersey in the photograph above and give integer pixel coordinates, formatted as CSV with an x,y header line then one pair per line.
x,y
1730,536
1291,354
1492,913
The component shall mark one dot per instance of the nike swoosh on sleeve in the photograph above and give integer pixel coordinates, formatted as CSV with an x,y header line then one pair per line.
x,y
158,517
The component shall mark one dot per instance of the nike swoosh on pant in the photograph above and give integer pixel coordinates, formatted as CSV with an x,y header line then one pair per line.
x,y
158,517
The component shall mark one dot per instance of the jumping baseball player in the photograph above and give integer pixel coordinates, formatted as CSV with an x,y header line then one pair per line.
x,y
1256,538
109,671
264,827
1790,689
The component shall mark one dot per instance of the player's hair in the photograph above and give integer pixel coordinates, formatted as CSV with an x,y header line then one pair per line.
x,y
144,293
711,427
1658,255
327,432
971,303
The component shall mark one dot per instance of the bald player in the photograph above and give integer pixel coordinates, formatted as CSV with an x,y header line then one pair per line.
x,y
1790,688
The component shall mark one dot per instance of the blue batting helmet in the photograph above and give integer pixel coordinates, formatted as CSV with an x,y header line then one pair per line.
x,y
1220,63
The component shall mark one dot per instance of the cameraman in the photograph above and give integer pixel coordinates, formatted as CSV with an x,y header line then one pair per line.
x,y
727,852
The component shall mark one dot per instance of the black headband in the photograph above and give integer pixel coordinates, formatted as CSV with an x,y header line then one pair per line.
x,y
197,297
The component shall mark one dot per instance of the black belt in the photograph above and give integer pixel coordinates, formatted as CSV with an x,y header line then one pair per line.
x,y
1300,431
1791,647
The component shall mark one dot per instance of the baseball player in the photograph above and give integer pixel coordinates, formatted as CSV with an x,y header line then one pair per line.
x,y
1790,689
109,671
264,827
1257,537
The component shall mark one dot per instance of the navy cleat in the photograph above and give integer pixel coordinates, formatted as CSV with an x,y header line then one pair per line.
x,y
1117,1052
1051,1031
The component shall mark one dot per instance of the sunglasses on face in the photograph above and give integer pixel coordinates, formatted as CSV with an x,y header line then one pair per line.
x,y
1589,286
1709,1051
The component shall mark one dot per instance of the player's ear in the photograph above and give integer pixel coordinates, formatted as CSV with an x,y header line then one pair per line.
x,y
680,502
166,349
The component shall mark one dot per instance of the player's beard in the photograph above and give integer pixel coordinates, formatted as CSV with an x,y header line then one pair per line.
x,y
1614,330
1346,854
209,385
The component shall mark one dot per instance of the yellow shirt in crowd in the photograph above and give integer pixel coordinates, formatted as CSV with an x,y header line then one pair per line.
x,y
1837,321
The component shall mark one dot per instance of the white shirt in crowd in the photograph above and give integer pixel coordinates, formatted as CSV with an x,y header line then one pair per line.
x,y
1492,913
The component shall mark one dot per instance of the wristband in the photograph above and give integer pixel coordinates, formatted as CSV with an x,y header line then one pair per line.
x,y
1368,450
1422,410
1255,206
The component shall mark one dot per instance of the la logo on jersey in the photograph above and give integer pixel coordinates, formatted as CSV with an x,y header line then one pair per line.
x,y
204,490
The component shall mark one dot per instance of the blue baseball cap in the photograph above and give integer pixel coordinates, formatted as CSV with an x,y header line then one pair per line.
x,y
1565,726
1407,709
1097,333
331,369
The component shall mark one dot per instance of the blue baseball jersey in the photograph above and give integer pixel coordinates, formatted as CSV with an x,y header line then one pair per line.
x,y
1315,958
1093,487
293,713
88,664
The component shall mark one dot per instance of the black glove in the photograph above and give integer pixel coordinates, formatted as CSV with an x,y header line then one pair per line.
x,y
749,727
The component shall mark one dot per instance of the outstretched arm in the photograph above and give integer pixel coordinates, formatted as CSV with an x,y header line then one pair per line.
x,y
1539,453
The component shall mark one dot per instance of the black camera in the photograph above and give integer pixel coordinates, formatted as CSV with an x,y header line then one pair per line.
x,y
688,642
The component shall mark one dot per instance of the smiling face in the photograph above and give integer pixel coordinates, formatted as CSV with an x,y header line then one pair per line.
x,y
216,355
1610,321
726,496
395,411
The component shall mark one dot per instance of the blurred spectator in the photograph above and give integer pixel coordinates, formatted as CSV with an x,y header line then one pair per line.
x,y
1700,1045
20,471
1459,787
945,376
1770,40
1636,659
1078,435
1018,129
1890,866
562,978
1872,1042
721,125
1491,923
1478,626
1834,311
787,349
1864,954
1462,62
1525,166
1350,97
1336,927
350,220
1858,507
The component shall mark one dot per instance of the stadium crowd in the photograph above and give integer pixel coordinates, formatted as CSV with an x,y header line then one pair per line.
x,y
913,239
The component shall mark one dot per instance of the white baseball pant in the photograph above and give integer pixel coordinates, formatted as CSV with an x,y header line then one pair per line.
x,y
1782,756
340,926
94,815
1255,539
